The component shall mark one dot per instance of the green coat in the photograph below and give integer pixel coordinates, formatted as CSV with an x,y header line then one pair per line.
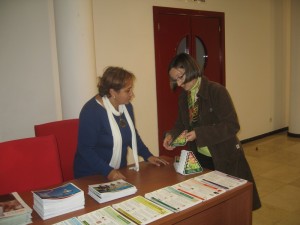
x,y
216,128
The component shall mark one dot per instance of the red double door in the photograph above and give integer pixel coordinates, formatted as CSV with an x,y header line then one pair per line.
x,y
198,33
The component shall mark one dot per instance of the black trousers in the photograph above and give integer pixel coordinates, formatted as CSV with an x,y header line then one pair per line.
x,y
205,161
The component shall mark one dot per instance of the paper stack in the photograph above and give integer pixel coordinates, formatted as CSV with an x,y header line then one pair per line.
x,y
111,190
57,201
13,210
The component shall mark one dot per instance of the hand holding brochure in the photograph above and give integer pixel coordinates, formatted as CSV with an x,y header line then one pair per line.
x,y
180,140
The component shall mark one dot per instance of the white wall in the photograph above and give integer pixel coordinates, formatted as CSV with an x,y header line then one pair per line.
x,y
257,61
28,76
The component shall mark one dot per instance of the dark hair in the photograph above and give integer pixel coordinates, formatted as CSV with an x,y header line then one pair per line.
x,y
113,78
189,64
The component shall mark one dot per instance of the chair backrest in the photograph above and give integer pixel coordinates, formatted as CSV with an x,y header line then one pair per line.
x,y
29,164
66,133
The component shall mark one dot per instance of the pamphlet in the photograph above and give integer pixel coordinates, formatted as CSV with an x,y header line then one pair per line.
x,y
187,163
141,210
180,140
172,199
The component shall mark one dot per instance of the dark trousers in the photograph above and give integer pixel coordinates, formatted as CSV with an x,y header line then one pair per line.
x,y
205,161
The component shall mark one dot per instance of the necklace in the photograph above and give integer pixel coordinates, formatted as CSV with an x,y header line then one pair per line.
x,y
122,121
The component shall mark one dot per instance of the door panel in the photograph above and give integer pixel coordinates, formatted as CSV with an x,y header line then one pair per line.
x,y
175,31
208,30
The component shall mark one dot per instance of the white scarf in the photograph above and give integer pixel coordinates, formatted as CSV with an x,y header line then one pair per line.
x,y
117,148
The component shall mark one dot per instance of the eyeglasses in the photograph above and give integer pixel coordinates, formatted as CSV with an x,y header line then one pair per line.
x,y
179,79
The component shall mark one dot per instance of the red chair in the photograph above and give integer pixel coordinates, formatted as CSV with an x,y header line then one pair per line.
x,y
29,164
66,133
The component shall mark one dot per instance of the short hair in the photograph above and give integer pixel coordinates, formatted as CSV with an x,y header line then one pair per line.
x,y
113,78
189,64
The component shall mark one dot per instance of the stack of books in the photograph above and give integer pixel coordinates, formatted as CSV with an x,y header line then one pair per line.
x,y
57,201
13,210
111,190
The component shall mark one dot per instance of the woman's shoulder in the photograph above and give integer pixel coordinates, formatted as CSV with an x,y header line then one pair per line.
x,y
92,105
129,107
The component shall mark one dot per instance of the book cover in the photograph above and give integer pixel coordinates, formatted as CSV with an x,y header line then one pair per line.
x,y
57,193
13,210
111,190
11,205
112,187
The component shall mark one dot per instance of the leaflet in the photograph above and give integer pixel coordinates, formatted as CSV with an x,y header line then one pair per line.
x,y
172,199
104,216
140,210
198,189
221,180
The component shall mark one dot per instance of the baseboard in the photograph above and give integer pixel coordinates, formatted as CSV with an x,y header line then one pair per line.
x,y
264,135
293,135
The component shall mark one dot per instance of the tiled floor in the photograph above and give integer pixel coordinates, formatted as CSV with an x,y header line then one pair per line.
x,y
275,164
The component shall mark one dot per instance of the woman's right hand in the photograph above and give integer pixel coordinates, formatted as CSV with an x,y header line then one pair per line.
x,y
167,141
115,175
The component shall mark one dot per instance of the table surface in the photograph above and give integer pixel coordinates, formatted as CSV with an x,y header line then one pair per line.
x,y
149,178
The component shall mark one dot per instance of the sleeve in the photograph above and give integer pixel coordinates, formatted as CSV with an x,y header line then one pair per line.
x,y
181,122
222,122
143,150
88,139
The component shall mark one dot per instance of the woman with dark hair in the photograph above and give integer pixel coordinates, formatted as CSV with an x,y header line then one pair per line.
x,y
208,116
106,129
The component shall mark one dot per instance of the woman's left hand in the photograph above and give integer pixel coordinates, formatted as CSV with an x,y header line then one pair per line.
x,y
191,136
157,161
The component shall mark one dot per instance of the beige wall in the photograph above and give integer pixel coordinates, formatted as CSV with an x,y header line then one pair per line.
x,y
257,57
257,61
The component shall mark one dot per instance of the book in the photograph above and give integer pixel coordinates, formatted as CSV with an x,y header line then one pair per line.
x,y
141,210
105,216
221,180
13,210
187,163
57,201
172,199
180,140
111,190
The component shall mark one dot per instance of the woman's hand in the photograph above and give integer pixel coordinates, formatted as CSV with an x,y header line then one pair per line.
x,y
115,175
157,161
167,141
191,136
